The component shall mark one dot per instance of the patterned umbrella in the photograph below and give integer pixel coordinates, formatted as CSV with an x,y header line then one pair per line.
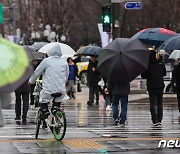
x,y
154,36
15,66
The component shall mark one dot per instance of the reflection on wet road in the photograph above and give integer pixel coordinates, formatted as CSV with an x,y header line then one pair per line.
x,y
90,130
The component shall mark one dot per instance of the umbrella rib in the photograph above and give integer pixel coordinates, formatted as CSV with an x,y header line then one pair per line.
x,y
133,58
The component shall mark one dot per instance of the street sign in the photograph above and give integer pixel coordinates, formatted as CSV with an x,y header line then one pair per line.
x,y
121,1
1,13
133,5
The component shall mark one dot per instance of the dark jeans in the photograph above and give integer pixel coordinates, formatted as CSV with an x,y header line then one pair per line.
x,y
31,94
25,98
93,90
156,106
124,105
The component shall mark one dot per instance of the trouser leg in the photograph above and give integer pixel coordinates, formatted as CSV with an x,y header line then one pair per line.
x,y
124,106
153,102
115,103
159,107
178,98
18,105
91,94
97,94
25,97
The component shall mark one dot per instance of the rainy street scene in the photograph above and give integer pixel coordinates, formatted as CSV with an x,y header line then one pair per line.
x,y
89,76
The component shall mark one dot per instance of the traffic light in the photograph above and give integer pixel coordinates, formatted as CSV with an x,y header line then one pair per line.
x,y
106,18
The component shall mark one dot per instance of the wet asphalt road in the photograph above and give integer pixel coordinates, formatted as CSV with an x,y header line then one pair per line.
x,y
90,130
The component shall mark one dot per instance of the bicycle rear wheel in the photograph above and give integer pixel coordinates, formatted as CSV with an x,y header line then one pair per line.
x,y
59,128
38,123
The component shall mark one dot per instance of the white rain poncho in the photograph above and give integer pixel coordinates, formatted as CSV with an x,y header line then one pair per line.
x,y
55,72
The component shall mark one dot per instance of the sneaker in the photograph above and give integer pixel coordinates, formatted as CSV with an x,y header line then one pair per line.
x,y
122,125
155,124
108,108
116,122
159,123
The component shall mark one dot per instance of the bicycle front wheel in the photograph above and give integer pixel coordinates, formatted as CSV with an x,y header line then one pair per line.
x,y
59,128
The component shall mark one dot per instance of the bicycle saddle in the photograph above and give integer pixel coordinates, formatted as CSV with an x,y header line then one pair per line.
x,y
56,95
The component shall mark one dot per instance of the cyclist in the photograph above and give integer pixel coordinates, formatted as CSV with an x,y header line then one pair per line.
x,y
55,73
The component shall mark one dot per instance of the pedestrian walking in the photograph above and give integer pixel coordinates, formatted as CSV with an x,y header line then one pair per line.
x,y
93,77
120,92
73,74
22,93
155,86
176,81
35,64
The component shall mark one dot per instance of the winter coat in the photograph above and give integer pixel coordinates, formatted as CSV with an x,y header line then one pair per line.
x,y
75,71
119,88
154,75
55,72
23,87
93,77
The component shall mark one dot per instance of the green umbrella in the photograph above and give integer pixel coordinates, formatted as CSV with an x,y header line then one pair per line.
x,y
15,65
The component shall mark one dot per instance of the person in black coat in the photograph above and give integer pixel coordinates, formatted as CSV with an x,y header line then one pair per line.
x,y
176,81
155,86
93,77
22,92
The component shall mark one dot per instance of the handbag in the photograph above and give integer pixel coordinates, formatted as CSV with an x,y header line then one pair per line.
x,y
79,86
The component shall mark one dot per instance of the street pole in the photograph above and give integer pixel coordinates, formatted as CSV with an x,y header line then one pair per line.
x,y
115,20
14,19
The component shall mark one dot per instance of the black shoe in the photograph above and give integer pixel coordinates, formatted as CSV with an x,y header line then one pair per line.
x,y
24,122
45,113
89,103
18,120
116,122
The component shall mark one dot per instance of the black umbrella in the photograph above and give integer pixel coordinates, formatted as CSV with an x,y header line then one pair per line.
x,y
123,60
171,44
89,51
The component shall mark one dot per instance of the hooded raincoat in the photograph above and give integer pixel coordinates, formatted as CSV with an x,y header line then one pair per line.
x,y
55,72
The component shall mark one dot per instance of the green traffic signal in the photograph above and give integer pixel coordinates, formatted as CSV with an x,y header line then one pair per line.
x,y
106,19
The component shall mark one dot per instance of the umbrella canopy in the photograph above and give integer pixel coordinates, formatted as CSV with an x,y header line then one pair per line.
x,y
123,60
154,36
171,44
89,51
64,49
15,66
175,55
35,55
38,45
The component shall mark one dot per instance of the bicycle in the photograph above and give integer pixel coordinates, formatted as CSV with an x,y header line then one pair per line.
x,y
57,122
